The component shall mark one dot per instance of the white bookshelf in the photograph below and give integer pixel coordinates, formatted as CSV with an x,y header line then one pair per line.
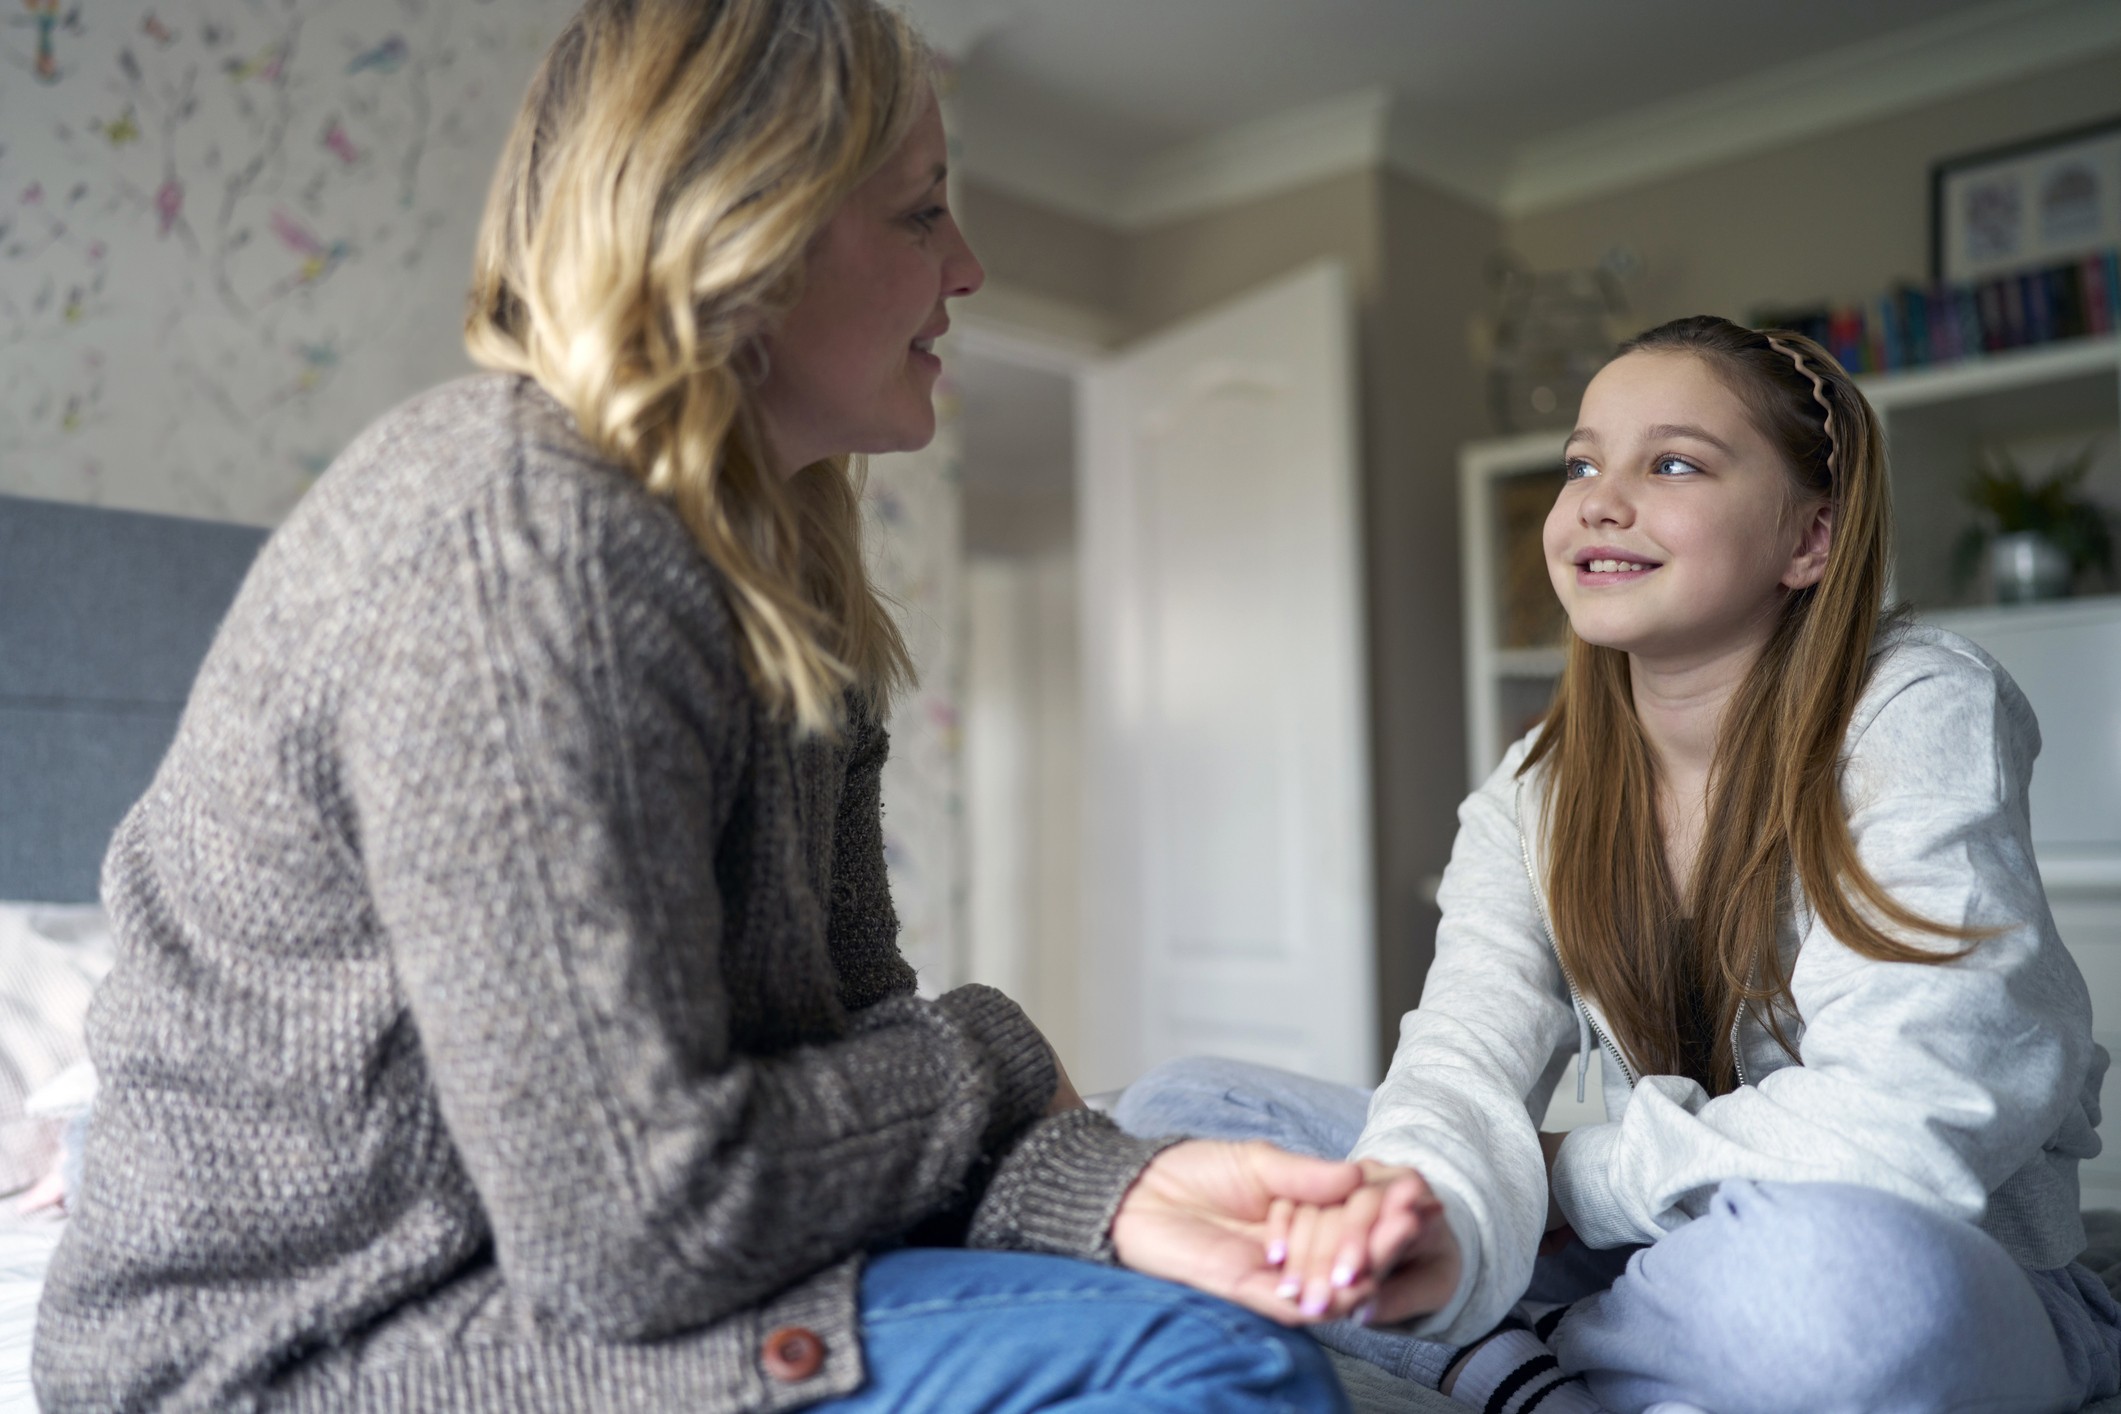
x,y
1497,667
2065,654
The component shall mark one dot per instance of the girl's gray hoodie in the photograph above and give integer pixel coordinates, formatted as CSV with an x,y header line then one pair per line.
x,y
1969,1087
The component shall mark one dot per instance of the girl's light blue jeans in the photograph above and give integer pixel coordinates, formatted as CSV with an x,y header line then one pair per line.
x,y
1814,1297
947,1331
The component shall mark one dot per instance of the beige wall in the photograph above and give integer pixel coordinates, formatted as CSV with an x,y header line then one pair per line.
x,y
1838,217
1042,251
1194,264
1422,399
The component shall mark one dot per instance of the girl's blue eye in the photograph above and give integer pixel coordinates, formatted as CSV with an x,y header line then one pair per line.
x,y
1576,469
1675,466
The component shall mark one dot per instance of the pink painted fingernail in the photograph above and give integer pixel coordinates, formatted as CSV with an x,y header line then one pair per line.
x,y
1365,1313
1288,1289
1277,1252
1344,1275
1314,1304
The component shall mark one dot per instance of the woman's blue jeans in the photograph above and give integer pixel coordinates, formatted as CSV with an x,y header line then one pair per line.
x,y
946,1331
1814,1297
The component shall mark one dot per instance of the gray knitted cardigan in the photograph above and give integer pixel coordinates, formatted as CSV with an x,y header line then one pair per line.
x,y
508,1014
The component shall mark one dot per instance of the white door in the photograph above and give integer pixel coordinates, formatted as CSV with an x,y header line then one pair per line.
x,y
1227,802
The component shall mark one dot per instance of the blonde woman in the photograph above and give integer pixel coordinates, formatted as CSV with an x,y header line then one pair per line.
x,y
1766,864
508,1015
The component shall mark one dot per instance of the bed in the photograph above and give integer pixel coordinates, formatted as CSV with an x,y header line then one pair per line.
x,y
104,616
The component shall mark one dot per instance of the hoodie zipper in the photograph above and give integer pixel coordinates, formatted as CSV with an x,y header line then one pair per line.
x,y
1524,849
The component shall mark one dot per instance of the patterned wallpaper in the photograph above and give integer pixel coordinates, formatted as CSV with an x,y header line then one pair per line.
x,y
916,556
233,232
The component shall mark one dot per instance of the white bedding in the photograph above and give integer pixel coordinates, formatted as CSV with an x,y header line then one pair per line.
x,y
26,1243
51,957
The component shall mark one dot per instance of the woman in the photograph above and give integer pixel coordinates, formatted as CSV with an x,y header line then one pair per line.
x,y
1768,861
508,1014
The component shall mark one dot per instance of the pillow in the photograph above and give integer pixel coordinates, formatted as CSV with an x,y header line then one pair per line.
x,y
51,958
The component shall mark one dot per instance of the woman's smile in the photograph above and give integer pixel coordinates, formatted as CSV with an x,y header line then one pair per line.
x,y
852,367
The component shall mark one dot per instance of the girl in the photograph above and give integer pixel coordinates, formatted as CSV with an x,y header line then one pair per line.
x,y
1767,859
508,1015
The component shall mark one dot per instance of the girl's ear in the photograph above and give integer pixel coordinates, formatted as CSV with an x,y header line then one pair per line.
x,y
1808,563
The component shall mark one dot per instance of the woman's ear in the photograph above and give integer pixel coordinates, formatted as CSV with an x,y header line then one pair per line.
x,y
1808,562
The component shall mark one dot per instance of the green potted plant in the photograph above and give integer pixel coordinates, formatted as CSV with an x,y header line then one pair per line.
x,y
2039,536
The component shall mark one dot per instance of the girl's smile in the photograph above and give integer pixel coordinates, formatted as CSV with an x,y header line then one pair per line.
x,y
1604,564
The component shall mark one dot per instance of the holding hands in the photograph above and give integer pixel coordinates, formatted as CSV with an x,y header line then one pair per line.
x,y
1387,1238
1295,1239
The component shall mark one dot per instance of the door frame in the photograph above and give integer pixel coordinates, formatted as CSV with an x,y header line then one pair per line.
x,y
1129,943
1032,332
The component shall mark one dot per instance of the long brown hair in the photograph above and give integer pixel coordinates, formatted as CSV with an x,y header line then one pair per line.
x,y
1671,974
649,220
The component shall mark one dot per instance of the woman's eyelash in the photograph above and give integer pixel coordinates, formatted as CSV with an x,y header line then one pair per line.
x,y
928,216
1662,462
1575,469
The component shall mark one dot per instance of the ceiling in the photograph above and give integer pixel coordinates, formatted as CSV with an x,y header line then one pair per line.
x,y
1073,99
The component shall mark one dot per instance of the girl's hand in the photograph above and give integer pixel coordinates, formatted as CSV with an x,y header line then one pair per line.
x,y
1425,1276
1549,1148
1387,1244
1198,1214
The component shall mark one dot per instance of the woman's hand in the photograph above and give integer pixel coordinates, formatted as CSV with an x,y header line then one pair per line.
x,y
1388,1239
1198,1214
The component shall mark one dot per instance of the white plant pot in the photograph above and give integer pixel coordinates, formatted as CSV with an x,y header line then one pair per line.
x,y
2025,565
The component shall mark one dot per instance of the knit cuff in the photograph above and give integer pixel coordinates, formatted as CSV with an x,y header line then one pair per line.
x,y
1018,1060
1059,1188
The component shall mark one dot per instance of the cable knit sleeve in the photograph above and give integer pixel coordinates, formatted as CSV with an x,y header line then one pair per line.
x,y
1052,1187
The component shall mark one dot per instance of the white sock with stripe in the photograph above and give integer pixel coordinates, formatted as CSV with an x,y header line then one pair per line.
x,y
1513,1372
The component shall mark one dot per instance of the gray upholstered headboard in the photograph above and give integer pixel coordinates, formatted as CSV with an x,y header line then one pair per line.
x,y
104,616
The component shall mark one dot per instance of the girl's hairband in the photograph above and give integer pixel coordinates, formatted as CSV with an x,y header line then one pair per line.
x,y
1833,443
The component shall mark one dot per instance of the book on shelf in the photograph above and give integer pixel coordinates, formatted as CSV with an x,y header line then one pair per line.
x,y
1915,326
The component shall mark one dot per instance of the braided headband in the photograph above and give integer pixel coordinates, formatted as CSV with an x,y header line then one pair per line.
x,y
1833,443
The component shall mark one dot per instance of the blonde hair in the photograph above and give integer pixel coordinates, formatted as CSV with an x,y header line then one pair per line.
x,y
1672,973
669,169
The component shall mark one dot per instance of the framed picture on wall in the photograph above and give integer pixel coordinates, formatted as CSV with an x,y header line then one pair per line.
x,y
2039,202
